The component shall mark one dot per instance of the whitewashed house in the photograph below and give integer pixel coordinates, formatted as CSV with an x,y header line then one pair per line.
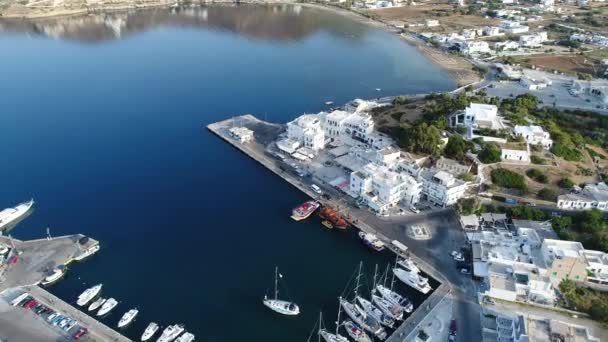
x,y
491,31
474,47
515,152
533,40
534,135
441,188
593,196
477,115
307,131
513,27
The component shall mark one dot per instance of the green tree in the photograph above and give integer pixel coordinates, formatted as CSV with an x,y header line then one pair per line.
x,y
455,148
421,138
566,183
468,206
489,154
548,194
508,179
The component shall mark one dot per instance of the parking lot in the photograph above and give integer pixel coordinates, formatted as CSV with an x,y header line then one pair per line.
x,y
557,94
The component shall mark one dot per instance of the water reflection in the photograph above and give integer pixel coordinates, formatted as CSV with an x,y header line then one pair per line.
x,y
279,22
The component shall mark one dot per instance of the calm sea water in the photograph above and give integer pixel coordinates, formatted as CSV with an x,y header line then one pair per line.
x,y
103,126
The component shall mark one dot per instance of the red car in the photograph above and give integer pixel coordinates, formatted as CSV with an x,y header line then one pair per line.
x,y
81,332
31,304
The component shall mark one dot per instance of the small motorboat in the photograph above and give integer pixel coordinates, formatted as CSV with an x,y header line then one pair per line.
x,y
150,331
96,304
327,224
57,273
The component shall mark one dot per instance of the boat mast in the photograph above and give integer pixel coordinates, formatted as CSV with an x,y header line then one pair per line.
x,y
393,276
338,320
374,283
320,323
358,278
276,280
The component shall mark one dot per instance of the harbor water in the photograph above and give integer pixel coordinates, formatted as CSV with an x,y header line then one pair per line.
x,y
102,123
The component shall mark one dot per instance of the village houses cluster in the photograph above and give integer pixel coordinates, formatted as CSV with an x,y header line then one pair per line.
x,y
379,174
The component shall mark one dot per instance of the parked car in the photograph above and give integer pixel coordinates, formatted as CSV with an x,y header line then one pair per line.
x,y
531,204
316,189
414,210
81,332
453,328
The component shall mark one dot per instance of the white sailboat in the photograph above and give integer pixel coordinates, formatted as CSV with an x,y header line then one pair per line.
x,y
393,297
359,316
365,306
277,305
326,335
356,332
151,329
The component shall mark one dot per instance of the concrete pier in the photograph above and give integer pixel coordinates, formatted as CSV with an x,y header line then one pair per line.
x,y
264,134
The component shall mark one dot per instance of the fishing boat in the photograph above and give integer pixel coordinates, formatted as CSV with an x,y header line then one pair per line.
x,y
88,294
413,279
327,224
96,304
186,337
171,332
9,215
395,298
277,305
304,210
128,317
329,214
355,332
151,329
56,274
87,252
372,241
107,306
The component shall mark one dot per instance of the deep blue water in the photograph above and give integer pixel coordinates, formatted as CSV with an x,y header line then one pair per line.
x,y
108,136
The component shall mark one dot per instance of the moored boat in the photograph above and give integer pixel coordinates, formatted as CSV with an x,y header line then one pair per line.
x,y
304,210
329,214
392,310
96,304
87,252
128,317
371,241
366,307
328,336
88,294
57,274
151,329
413,279
366,322
327,224
395,298
107,306
171,332
277,305
9,215
408,264
356,332
186,337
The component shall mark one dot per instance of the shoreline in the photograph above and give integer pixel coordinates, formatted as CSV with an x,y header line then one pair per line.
x,y
458,69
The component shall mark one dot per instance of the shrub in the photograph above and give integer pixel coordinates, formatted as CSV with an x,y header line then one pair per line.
x,y
537,175
468,206
566,152
538,160
508,179
566,183
548,194
527,213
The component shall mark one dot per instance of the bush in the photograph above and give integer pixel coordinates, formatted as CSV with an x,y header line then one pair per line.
x,y
566,152
566,183
537,175
468,206
455,148
548,194
508,179
489,154
467,177
527,213
586,300
538,160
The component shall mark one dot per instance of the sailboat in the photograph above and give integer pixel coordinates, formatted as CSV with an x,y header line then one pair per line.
x,y
393,297
365,306
277,305
359,316
356,332
326,335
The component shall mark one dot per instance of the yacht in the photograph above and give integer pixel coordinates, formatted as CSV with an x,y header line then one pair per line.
x,y
395,298
277,305
170,333
127,317
53,277
9,215
150,331
365,321
394,311
87,252
186,337
413,279
372,241
107,306
356,332
88,294
366,307
408,264
96,304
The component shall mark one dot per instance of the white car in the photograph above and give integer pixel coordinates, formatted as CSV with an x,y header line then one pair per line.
x,y
414,210
3,249
316,189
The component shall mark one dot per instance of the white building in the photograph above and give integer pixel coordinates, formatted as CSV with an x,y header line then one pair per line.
x,y
452,166
533,40
380,188
477,115
307,131
531,83
515,152
520,282
506,45
242,134
474,47
592,196
534,135
491,31
513,27
469,34
431,23
569,259
441,188
349,127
